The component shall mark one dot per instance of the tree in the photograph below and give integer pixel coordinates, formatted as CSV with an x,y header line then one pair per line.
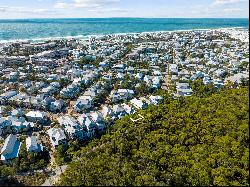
x,y
198,140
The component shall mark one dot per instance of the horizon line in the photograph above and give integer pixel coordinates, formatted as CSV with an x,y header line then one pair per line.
x,y
125,18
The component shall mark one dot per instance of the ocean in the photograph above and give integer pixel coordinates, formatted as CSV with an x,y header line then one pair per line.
x,y
29,29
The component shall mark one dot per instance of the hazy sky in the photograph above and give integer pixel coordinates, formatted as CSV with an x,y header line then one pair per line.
x,y
124,8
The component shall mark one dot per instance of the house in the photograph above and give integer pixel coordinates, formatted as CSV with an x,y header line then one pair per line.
x,y
130,70
220,72
119,68
83,103
139,103
197,75
183,89
118,111
156,81
128,109
237,78
235,64
49,90
218,83
106,111
37,116
96,116
104,64
2,110
56,106
120,76
92,92
10,148
139,76
155,99
86,122
32,145
72,127
147,79
183,72
101,126
121,95
8,95
18,124
98,119
5,125
157,73
13,76
17,112
173,68
70,91
53,77
47,101
57,137
207,80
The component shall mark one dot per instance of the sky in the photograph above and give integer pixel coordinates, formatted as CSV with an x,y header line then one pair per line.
x,y
18,9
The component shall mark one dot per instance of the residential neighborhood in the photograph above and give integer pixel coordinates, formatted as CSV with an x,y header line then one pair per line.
x,y
61,90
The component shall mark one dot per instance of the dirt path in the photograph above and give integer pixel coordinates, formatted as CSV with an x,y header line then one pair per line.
x,y
55,175
56,172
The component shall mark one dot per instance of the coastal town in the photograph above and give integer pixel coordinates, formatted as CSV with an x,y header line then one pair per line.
x,y
57,91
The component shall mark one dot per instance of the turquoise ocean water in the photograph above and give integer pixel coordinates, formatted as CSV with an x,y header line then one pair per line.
x,y
23,29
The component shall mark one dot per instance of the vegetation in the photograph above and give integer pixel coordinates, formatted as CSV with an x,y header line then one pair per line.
x,y
86,61
199,140
27,161
65,153
30,160
36,179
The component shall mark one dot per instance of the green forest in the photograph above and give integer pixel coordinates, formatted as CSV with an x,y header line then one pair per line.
x,y
199,140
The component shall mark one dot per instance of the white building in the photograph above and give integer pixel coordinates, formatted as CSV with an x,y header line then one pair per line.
x,y
155,99
32,145
183,89
139,103
37,116
72,127
57,137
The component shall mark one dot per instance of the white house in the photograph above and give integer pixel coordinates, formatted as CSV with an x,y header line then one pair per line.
x,y
83,103
106,111
119,111
32,145
139,103
156,81
128,109
96,116
7,95
87,123
56,105
183,89
71,127
70,91
155,99
173,68
18,124
57,137
139,76
121,94
37,116
218,83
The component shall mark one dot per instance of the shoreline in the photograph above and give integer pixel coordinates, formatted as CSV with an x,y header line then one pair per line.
x,y
86,37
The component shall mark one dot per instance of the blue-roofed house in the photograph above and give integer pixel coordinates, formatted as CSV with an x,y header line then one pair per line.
x,y
10,148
